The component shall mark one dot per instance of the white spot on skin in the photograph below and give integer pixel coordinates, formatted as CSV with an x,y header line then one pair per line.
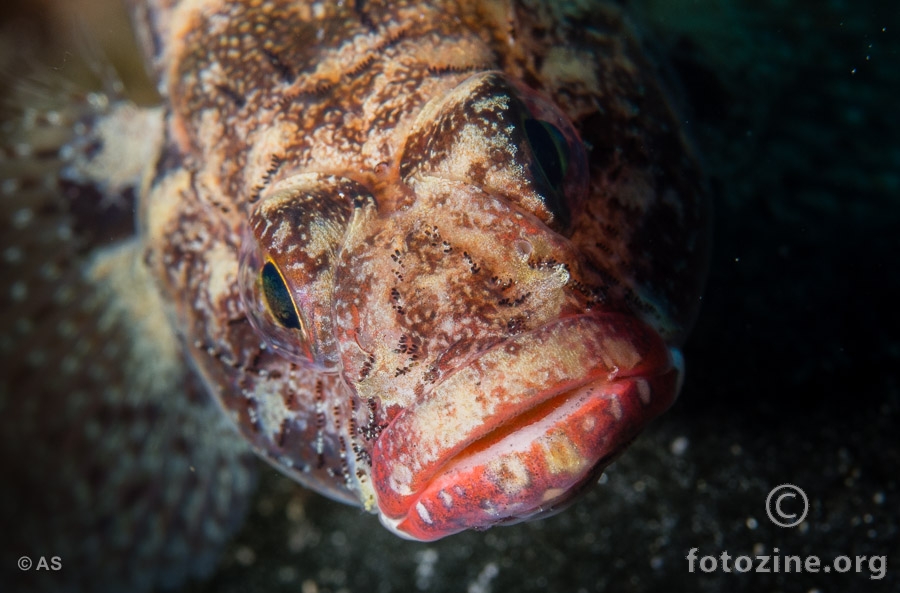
x,y
643,390
510,474
223,269
400,478
423,513
552,494
615,408
446,498
281,234
587,425
619,353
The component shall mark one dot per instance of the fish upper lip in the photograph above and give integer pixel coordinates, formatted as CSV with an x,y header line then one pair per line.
x,y
508,388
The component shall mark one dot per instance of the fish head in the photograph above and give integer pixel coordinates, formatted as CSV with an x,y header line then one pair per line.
x,y
494,369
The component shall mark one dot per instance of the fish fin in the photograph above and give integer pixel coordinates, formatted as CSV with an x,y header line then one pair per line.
x,y
114,459
117,462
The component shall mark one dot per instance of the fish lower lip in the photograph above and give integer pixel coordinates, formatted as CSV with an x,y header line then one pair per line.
x,y
519,428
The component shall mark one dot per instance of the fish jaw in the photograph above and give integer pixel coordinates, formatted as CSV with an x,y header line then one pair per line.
x,y
518,432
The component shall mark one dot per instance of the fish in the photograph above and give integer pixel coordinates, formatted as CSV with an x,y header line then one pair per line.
x,y
433,259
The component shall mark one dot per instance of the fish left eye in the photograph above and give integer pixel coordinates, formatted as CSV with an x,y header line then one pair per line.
x,y
278,297
550,150
289,256
271,304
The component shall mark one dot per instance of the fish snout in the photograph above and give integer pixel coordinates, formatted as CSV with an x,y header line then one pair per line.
x,y
518,432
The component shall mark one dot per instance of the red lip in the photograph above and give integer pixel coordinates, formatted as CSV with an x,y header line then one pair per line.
x,y
516,432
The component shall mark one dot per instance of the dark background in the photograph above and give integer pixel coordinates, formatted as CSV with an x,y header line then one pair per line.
x,y
792,370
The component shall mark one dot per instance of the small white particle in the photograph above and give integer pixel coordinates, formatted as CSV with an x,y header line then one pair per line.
x,y
679,446
245,556
22,218
12,255
9,186
23,326
111,350
49,271
98,100
64,295
338,539
69,365
751,523
98,373
287,574
18,292
64,232
425,568
482,583
37,358
92,430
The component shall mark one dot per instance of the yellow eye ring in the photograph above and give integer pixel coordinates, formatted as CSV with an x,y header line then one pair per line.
x,y
278,299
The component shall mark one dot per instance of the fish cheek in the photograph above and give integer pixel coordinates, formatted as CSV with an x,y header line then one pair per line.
x,y
287,264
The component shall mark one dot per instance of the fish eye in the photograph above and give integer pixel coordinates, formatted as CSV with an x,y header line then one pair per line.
x,y
550,150
278,297
271,304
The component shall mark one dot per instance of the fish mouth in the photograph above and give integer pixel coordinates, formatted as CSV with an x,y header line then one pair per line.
x,y
516,433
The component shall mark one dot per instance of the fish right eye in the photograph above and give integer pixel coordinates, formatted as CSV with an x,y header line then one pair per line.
x,y
550,150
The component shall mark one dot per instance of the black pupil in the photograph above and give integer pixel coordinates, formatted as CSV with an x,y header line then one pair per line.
x,y
549,148
278,298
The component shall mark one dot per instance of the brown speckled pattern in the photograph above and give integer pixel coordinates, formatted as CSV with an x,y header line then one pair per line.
x,y
461,246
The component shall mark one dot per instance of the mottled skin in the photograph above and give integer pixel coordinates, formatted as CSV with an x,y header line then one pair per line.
x,y
469,334
474,343
112,455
